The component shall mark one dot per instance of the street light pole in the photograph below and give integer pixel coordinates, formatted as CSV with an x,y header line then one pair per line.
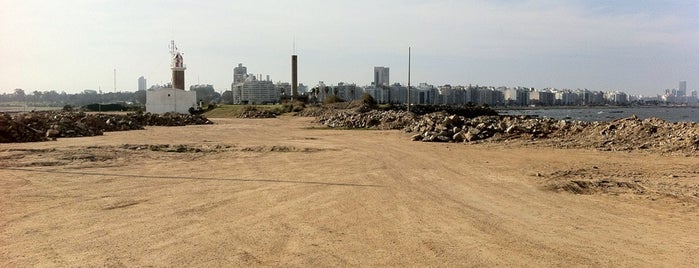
x,y
409,79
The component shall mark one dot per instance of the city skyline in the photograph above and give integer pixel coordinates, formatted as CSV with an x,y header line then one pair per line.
x,y
640,47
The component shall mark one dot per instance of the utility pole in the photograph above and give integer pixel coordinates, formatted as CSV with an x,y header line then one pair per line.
x,y
409,79
115,80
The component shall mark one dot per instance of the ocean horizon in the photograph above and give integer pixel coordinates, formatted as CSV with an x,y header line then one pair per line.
x,y
604,113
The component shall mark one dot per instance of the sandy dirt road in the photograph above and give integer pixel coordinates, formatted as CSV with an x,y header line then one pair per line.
x,y
285,192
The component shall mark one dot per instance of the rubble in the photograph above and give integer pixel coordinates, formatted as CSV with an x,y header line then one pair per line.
x,y
627,134
373,119
442,127
257,114
42,126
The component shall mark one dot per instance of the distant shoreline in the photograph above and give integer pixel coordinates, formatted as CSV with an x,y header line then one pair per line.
x,y
500,108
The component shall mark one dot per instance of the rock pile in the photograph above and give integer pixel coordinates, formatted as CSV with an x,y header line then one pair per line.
x,y
441,127
632,133
620,135
169,119
257,114
312,111
373,119
41,126
625,134
19,129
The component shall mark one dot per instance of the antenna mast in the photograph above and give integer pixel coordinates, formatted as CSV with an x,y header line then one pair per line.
x,y
409,79
172,48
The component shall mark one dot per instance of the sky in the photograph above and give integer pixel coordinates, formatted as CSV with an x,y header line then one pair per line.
x,y
639,46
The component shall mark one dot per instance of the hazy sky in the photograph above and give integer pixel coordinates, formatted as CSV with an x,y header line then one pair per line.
x,y
637,46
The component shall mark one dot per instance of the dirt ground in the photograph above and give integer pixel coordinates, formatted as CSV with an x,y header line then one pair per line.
x,y
286,192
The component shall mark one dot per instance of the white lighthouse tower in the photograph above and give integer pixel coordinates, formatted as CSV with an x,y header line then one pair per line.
x,y
175,99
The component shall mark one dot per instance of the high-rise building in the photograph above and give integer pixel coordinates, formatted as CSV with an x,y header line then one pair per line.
x,y
257,92
251,89
682,91
142,83
347,92
239,73
381,76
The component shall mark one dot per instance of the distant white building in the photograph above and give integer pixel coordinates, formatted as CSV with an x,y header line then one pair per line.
x,y
424,94
142,85
284,88
516,96
258,92
302,88
381,76
682,91
348,92
169,100
239,73
248,89
617,97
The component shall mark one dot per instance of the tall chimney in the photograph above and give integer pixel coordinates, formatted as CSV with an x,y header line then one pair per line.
x,y
294,77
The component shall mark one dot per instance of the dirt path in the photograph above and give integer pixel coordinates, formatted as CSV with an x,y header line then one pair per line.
x,y
283,192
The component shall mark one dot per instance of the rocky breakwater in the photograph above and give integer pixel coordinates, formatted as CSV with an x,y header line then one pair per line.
x,y
41,126
373,119
632,133
257,114
441,127
169,119
624,134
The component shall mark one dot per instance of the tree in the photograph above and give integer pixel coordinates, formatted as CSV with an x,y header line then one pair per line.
x,y
19,95
37,96
227,97
52,98
332,99
368,99
140,96
206,93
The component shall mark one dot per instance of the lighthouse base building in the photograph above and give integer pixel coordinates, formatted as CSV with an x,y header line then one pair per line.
x,y
175,99
170,100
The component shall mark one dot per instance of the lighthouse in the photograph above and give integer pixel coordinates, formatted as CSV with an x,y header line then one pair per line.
x,y
178,67
175,99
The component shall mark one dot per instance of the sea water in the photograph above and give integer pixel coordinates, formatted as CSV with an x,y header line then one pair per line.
x,y
671,114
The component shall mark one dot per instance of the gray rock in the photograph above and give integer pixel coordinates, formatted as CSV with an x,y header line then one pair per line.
x,y
459,136
511,129
417,137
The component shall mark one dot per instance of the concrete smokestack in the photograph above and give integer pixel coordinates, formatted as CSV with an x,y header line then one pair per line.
x,y
294,77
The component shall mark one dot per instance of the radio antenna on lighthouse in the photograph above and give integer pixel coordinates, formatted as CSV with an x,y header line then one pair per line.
x,y
172,47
